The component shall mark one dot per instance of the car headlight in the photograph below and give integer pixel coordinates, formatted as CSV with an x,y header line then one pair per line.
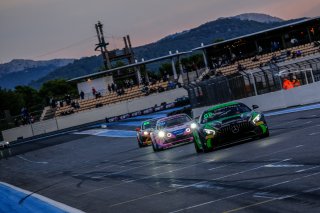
x,y
193,126
256,119
169,135
161,134
188,130
146,133
209,131
7,142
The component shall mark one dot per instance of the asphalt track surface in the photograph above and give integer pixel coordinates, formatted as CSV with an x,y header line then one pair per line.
x,y
105,174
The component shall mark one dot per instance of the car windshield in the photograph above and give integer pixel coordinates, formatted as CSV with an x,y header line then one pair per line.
x,y
149,124
173,121
224,112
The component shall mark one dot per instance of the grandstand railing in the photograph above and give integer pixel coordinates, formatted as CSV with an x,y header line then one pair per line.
x,y
226,88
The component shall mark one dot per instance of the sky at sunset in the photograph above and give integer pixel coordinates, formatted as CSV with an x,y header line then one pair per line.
x,y
46,29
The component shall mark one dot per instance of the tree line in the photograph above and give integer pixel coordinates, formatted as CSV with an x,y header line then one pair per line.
x,y
13,101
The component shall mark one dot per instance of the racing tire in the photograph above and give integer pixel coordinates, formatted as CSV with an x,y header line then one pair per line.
x,y
139,143
155,147
206,149
198,150
265,135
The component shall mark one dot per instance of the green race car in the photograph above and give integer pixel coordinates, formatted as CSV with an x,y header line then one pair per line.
x,y
228,122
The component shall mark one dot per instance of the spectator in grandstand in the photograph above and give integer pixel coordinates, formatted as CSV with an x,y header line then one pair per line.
x,y
53,103
98,95
287,84
294,42
145,89
255,59
120,91
274,58
260,50
171,85
275,46
113,87
298,53
233,57
25,116
77,105
81,95
288,53
126,83
94,91
160,89
295,81
131,83
67,98
109,88
73,104
240,67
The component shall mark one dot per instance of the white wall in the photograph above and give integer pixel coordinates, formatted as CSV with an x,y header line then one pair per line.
x,y
13,134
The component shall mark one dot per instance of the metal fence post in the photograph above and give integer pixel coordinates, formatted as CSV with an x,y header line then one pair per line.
x,y
254,85
55,118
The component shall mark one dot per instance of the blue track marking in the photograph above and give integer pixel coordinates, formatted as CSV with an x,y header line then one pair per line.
x,y
13,199
292,110
108,133
118,133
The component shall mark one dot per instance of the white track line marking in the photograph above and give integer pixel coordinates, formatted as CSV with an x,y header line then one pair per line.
x,y
272,199
187,186
314,133
247,192
144,178
30,161
303,170
194,184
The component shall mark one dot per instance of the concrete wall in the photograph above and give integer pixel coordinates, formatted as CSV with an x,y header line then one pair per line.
x,y
306,94
13,134
92,115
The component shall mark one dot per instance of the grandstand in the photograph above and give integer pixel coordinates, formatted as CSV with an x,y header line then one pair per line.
x,y
109,98
264,60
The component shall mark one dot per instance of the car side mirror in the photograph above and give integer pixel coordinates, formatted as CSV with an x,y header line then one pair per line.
x,y
255,107
138,129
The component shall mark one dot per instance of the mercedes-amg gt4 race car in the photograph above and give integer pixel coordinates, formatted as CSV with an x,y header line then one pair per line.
x,y
226,123
143,132
171,131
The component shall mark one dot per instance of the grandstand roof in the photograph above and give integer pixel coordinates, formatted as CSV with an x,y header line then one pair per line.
x,y
257,33
130,65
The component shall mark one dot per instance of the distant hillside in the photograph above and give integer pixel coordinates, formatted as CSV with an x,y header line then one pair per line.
x,y
258,17
79,67
22,72
223,28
